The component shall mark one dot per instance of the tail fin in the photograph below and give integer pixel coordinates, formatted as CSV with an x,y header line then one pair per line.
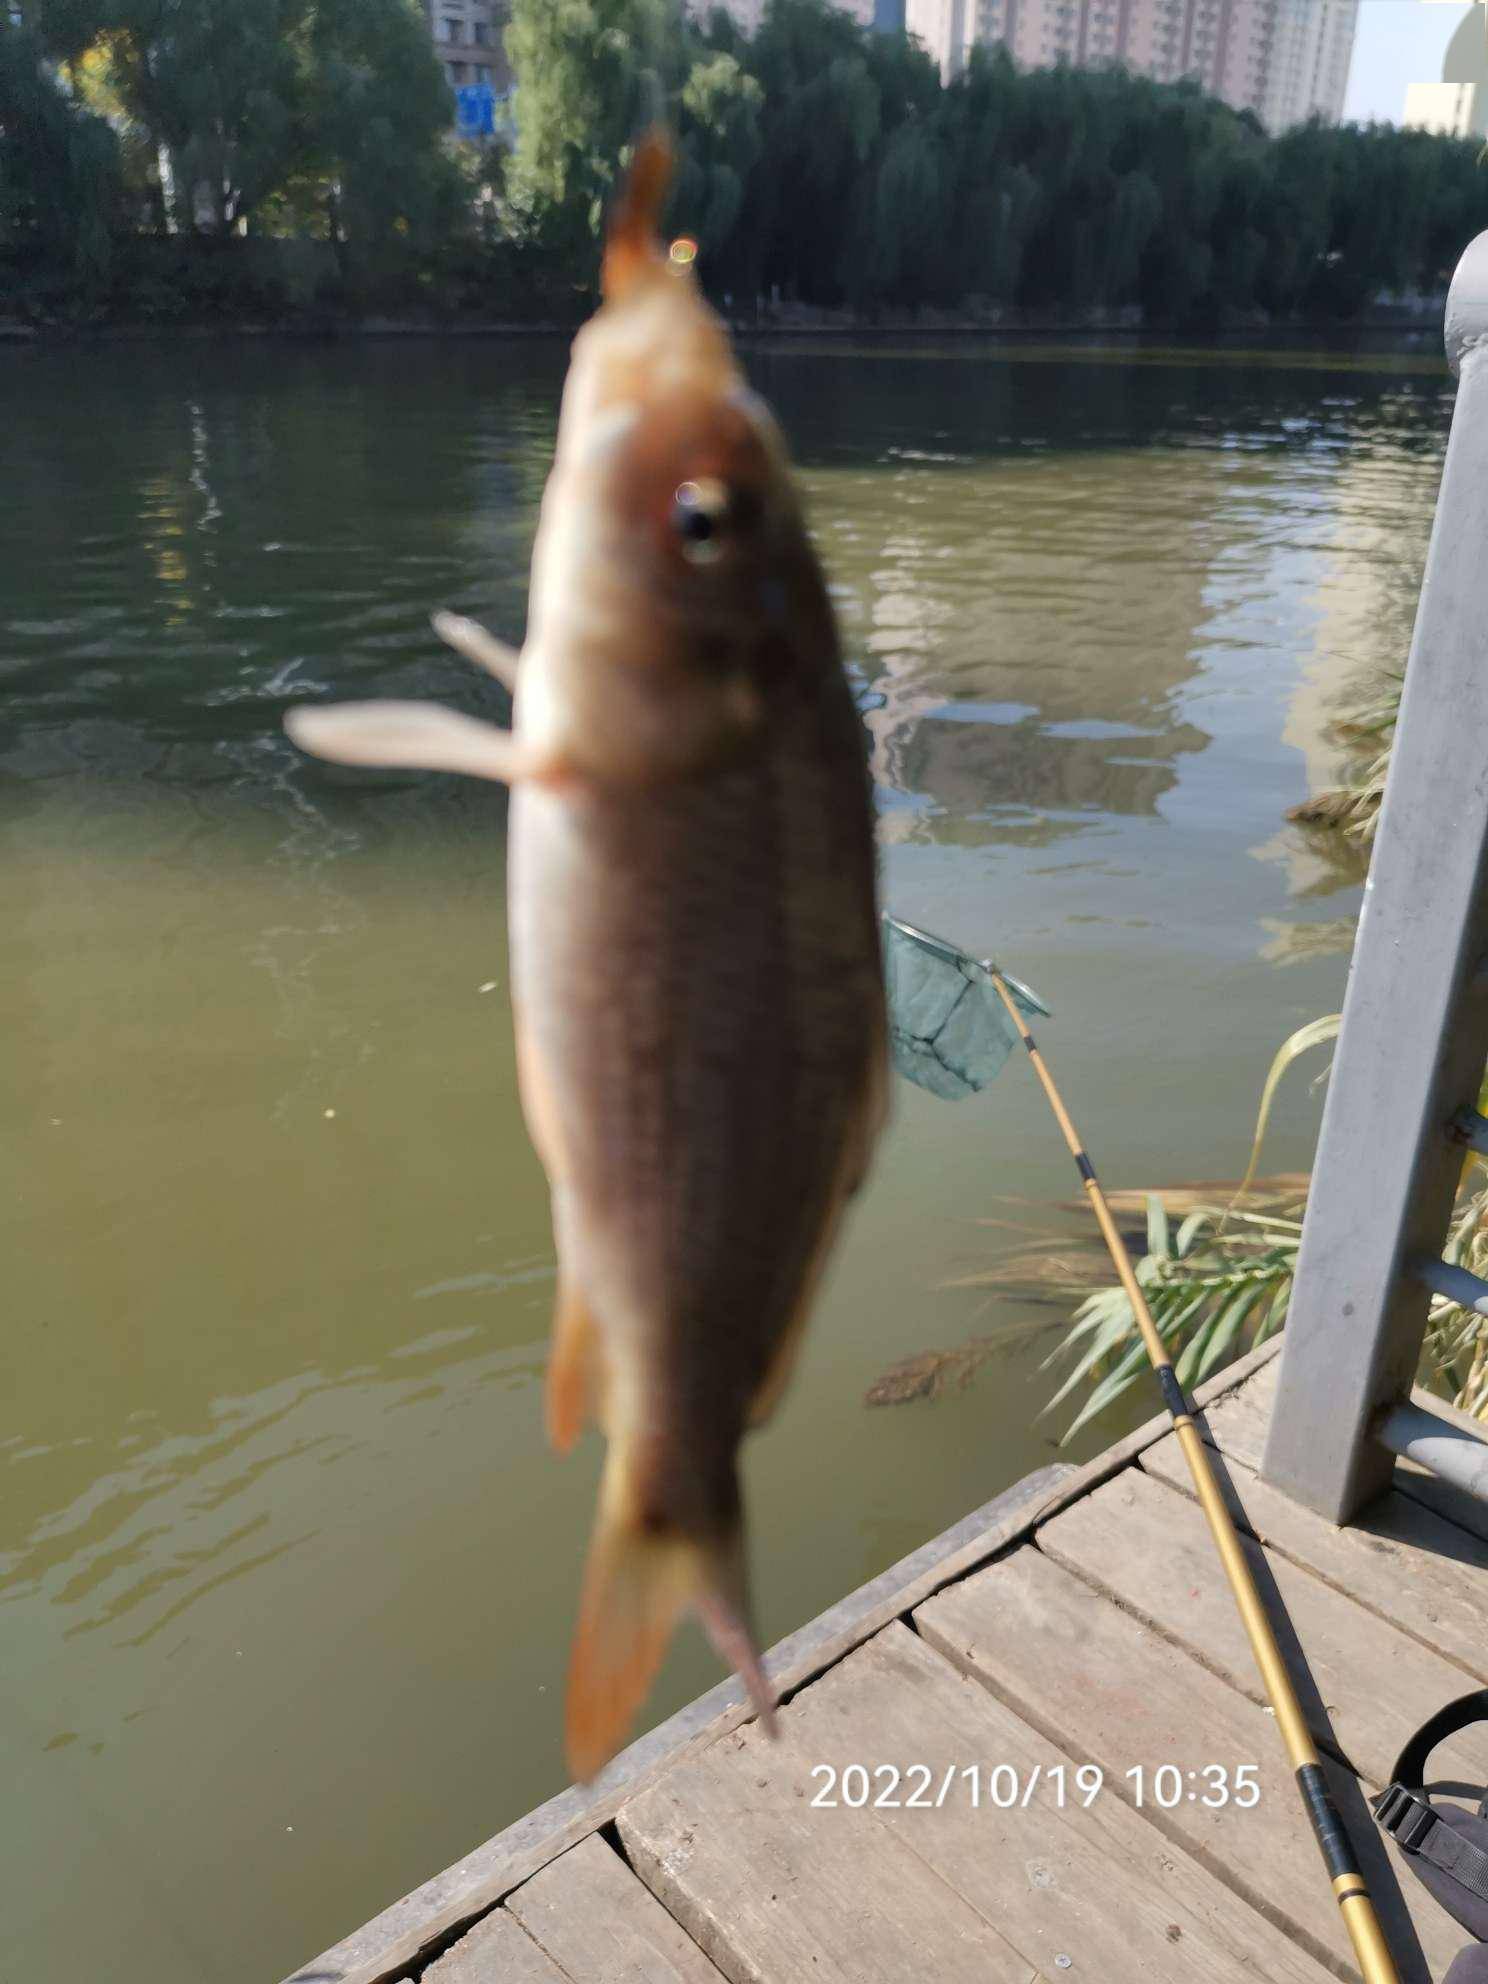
x,y
633,242
637,1584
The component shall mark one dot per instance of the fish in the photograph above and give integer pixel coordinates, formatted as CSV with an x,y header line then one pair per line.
x,y
697,979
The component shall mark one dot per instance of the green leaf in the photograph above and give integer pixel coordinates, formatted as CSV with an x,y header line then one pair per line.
x,y
1158,1242
1116,1331
1110,1388
1226,1328
1187,1231
1311,1035
1192,1351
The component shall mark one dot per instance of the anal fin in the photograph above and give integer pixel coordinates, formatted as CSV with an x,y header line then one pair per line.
x,y
573,1368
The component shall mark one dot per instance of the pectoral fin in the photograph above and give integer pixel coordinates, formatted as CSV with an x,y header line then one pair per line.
x,y
420,736
469,638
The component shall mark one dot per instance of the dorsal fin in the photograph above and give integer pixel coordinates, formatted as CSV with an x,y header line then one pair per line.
x,y
633,244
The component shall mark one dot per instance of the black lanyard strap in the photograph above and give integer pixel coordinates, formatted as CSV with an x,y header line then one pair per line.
x,y
1408,1816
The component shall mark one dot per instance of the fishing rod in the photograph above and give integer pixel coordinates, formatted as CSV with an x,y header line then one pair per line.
x,y
953,1022
1349,1887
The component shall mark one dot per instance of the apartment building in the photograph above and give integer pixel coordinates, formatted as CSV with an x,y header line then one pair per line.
x,y
470,40
1283,59
748,13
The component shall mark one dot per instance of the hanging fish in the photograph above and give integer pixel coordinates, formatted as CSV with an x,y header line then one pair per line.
x,y
696,968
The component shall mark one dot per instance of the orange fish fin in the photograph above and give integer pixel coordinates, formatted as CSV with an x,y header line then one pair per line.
x,y
573,1368
633,241
420,736
637,1584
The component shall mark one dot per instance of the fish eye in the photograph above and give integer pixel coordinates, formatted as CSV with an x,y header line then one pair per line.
x,y
699,518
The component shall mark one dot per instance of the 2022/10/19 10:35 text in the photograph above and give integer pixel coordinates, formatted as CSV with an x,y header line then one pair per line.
x,y
1002,1787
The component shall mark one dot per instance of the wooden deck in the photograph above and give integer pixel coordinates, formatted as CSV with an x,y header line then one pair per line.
x,y
1080,1619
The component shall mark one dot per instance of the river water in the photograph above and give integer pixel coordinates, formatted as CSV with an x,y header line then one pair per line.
x,y
286,1573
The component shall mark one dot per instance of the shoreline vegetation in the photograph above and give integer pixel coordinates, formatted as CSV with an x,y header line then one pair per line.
x,y
1394,332
1216,1259
298,174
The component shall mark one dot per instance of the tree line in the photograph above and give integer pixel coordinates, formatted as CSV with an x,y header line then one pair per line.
x,y
820,164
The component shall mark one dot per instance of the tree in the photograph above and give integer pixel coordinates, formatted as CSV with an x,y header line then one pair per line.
x,y
377,115
718,120
589,75
61,192
216,86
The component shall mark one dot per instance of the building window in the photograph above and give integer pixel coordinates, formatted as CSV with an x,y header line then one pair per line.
x,y
481,34
456,74
450,30
483,72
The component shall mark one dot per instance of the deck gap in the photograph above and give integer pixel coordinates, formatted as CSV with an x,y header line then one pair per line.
x,y
1277,1546
440,1946
905,1618
609,1832
1196,1654
1217,1865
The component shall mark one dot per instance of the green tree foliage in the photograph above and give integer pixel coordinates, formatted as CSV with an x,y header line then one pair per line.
x,y
589,74
61,189
818,162
236,102
830,166
214,86
719,118
377,112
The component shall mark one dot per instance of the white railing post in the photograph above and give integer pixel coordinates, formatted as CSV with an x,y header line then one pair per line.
x,y
1414,1039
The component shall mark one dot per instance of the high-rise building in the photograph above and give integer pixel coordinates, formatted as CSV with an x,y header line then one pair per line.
x,y
748,13
1286,60
470,40
1457,106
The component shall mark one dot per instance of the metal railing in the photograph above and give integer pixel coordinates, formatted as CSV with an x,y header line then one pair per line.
x,y
1414,1039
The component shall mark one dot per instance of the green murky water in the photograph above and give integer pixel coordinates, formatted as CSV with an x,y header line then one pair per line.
x,y
286,1575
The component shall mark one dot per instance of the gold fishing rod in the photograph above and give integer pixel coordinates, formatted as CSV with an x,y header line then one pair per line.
x,y
1349,1888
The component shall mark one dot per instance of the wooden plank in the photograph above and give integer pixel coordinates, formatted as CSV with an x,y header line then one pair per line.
x,y
1237,1425
1098,1885
1238,1422
1364,1686
1397,1558
496,1951
773,1888
1111,1692
381,1949
1444,1498
601,1925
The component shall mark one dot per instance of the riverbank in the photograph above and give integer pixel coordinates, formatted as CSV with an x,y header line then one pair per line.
x,y
1380,328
